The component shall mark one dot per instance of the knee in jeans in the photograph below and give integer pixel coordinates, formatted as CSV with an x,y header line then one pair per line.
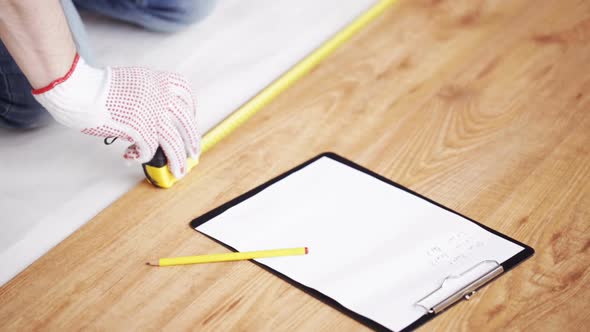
x,y
23,116
174,15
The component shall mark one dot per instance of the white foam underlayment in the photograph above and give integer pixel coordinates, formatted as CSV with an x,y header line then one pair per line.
x,y
55,179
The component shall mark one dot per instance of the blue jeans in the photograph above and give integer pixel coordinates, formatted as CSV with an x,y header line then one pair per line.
x,y
18,108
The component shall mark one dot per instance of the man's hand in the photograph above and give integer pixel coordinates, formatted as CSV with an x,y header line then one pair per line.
x,y
145,107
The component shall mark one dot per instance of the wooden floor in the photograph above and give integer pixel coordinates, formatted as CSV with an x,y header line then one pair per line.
x,y
482,106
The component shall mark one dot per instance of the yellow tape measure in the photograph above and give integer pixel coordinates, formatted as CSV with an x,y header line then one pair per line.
x,y
157,172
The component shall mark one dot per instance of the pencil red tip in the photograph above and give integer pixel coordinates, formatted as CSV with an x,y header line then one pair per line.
x,y
306,250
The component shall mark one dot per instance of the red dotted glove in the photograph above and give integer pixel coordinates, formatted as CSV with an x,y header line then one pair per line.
x,y
145,107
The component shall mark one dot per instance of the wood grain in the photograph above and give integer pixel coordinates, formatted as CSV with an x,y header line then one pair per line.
x,y
480,105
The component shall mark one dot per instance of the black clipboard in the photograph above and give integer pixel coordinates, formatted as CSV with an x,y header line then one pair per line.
x,y
505,266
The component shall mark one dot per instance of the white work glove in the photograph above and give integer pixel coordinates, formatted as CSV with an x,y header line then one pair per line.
x,y
145,107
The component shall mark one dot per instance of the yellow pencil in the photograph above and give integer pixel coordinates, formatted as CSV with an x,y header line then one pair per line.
x,y
233,256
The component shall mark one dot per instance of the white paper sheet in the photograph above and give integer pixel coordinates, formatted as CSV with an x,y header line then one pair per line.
x,y
374,248
55,180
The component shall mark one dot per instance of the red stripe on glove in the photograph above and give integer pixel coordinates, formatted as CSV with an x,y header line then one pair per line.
x,y
59,80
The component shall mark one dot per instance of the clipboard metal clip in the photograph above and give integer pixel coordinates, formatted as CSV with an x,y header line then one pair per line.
x,y
462,286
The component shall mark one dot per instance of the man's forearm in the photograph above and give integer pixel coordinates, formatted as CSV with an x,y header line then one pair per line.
x,y
37,35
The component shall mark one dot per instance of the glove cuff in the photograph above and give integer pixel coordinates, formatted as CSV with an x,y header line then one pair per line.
x,y
59,80
77,99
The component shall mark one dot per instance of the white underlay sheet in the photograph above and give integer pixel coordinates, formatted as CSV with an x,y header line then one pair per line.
x,y
55,180
375,249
